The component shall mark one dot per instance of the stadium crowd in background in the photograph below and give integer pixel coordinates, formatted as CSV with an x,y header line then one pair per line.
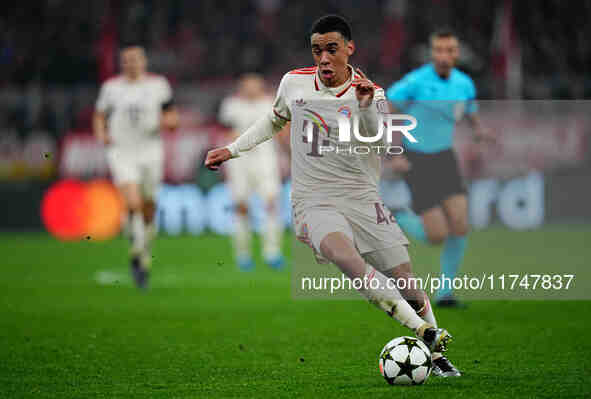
x,y
55,54
48,42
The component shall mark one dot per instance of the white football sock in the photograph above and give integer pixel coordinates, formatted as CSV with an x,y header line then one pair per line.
x,y
241,236
272,237
389,299
426,312
138,232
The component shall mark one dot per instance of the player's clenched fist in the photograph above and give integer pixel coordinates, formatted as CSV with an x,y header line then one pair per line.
x,y
364,90
216,157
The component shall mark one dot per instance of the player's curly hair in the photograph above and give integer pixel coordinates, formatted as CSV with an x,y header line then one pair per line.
x,y
332,23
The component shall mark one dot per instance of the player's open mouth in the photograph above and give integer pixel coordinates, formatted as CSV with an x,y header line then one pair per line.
x,y
327,74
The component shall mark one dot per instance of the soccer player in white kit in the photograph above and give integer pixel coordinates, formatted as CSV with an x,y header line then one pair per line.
x,y
131,110
255,172
336,205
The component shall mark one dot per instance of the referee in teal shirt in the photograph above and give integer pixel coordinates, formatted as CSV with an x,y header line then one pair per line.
x,y
438,95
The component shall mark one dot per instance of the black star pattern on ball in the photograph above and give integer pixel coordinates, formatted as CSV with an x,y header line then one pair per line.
x,y
406,368
410,343
386,355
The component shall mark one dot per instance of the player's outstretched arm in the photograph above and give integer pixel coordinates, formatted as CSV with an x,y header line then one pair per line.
x,y
262,130
217,157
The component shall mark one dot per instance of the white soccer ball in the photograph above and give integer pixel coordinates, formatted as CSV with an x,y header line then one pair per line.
x,y
405,361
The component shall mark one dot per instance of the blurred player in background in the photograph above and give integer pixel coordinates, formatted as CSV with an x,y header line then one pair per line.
x,y
438,95
131,110
255,172
337,208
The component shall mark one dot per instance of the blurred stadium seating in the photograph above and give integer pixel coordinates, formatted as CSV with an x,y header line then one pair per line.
x,y
54,55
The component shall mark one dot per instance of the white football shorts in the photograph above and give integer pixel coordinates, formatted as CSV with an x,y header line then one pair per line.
x,y
142,164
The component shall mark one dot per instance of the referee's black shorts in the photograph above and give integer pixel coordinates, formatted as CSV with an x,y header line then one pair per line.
x,y
433,178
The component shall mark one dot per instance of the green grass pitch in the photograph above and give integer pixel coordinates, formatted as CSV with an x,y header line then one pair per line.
x,y
73,326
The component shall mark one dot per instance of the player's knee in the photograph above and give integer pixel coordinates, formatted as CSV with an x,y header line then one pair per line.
x,y
459,226
149,210
437,236
134,203
436,228
462,230
133,198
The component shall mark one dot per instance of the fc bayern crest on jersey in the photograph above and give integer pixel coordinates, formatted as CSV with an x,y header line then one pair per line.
x,y
345,110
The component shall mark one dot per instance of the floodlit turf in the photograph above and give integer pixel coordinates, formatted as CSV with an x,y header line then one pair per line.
x,y
73,326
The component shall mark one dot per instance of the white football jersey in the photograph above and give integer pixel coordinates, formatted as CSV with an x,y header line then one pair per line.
x,y
133,108
240,114
305,101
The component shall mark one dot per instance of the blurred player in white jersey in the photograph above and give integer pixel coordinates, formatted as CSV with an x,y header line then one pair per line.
x,y
131,110
337,208
255,172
